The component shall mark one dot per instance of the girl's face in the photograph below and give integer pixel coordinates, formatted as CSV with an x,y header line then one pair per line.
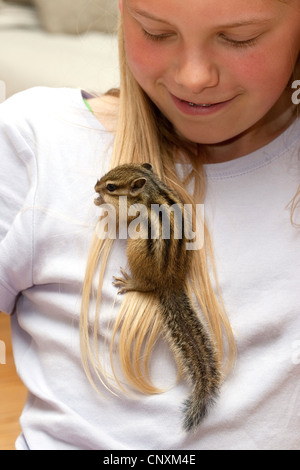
x,y
217,69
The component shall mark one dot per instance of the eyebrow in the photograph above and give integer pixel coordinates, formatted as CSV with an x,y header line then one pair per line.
x,y
251,21
148,15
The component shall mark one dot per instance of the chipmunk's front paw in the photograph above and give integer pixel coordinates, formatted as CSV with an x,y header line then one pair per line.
x,y
124,283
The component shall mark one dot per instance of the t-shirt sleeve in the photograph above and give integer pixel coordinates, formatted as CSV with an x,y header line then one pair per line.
x,y
17,189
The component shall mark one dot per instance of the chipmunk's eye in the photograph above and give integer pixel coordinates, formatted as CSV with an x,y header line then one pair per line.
x,y
111,187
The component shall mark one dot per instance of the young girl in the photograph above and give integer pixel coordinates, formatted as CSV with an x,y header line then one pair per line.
x,y
206,98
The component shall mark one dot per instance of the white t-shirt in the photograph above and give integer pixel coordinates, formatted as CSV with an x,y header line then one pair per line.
x,y
52,152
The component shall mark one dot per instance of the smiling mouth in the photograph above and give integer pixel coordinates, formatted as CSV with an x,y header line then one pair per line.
x,y
199,109
201,105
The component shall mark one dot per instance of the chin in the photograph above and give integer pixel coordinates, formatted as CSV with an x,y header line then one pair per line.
x,y
205,140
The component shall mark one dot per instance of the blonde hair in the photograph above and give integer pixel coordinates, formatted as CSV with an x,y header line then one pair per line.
x,y
143,134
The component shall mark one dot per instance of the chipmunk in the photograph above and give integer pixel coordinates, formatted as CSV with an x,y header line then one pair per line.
x,y
161,265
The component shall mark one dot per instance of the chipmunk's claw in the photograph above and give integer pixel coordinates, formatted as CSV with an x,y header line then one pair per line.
x,y
122,283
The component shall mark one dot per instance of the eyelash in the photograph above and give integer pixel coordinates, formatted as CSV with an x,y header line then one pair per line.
x,y
231,42
155,37
241,44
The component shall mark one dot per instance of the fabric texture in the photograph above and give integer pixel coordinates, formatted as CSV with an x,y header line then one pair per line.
x,y
52,152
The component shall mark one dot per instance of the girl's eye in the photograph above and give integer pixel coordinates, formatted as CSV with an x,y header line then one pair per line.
x,y
111,188
156,37
235,43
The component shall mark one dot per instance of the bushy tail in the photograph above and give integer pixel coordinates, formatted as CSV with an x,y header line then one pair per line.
x,y
195,353
196,408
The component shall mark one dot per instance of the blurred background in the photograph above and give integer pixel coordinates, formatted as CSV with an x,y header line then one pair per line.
x,y
59,43
54,43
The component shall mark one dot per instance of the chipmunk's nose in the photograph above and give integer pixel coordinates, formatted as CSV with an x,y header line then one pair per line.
x,y
97,186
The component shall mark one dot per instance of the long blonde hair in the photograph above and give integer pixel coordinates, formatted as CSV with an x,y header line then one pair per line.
x,y
143,134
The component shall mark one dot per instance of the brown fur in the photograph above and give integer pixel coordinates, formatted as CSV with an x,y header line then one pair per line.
x,y
161,266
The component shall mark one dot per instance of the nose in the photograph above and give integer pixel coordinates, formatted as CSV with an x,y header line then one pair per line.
x,y
196,71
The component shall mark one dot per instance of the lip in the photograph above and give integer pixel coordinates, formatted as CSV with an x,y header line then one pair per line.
x,y
198,110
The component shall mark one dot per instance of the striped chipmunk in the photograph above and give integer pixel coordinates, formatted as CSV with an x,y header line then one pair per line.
x,y
159,261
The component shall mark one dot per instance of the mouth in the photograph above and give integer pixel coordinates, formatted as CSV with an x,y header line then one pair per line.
x,y
192,108
201,105
99,200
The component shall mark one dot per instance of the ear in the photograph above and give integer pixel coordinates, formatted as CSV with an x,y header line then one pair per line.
x,y
148,166
137,186
121,5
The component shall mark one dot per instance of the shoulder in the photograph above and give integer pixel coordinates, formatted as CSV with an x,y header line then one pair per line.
x,y
39,103
41,106
105,109
38,96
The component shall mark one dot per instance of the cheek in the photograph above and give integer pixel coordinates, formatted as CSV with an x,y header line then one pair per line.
x,y
270,68
264,75
145,59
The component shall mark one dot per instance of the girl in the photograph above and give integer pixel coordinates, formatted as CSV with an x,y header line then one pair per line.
x,y
205,98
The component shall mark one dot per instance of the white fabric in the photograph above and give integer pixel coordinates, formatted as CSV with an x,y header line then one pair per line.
x,y
52,151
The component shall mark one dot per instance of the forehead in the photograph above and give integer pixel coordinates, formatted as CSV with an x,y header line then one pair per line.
x,y
205,10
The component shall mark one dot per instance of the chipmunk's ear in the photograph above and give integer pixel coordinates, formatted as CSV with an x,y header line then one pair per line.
x,y
137,186
148,166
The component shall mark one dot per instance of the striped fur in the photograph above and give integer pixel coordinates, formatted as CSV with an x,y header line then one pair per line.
x,y
160,264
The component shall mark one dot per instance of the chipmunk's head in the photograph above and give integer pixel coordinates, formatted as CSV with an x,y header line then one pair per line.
x,y
128,180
